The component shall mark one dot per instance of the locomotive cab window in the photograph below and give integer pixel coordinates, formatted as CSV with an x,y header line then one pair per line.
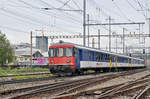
x,y
51,52
60,52
69,52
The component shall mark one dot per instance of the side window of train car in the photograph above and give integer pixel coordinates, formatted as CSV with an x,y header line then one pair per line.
x,y
101,56
108,57
133,61
89,55
105,57
60,52
97,57
118,59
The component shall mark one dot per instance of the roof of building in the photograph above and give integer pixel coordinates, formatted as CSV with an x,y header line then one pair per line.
x,y
25,51
45,54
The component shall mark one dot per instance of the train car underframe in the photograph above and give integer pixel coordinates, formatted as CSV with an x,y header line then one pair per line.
x,y
67,70
61,69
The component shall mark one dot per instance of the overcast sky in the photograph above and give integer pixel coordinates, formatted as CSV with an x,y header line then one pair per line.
x,y
19,17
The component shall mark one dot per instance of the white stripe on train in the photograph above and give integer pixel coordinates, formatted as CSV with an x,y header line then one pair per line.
x,y
92,64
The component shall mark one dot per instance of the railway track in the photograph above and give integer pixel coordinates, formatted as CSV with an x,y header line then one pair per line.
x,y
5,82
126,90
42,88
104,92
27,80
25,74
67,87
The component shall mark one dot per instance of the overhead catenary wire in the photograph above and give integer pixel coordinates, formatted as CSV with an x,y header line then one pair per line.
x,y
18,18
76,4
134,7
141,7
21,16
62,2
65,4
63,17
64,13
13,29
104,13
121,11
39,10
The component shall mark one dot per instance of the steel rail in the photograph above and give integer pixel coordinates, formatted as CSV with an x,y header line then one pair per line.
x,y
25,74
84,92
54,89
70,85
27,80
29,88
122,89
142,94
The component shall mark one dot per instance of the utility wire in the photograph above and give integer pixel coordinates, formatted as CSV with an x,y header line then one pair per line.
x,y
141,6
24,17
122,12
93,1
103,13
66,14
16,17
20,16
66,3
14,29
37,9
60,1
134,7
76,4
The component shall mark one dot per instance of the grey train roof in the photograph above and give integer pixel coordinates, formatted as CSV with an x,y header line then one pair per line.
x,y
94,49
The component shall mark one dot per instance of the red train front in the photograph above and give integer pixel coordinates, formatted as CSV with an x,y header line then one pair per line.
x,y
61,59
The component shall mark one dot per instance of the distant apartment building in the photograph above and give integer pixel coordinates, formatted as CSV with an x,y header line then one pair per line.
x,y
42,43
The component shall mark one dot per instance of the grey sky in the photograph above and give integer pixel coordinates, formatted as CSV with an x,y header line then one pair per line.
x,y
19,17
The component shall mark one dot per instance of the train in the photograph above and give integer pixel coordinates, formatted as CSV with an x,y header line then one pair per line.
x,y
70,58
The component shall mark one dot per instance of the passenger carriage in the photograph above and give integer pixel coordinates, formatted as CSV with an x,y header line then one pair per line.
x,y
73,58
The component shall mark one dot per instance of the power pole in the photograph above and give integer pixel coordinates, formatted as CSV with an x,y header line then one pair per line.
x,y
116,45
84,22
149,26
88,28
93,43
123,40
31,51
99,39
42,49
109,33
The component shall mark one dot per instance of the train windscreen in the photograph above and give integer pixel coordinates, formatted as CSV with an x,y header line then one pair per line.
x,y
60,52
51,52
69,52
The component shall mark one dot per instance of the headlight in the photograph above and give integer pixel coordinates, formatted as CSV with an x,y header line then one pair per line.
x,y
52,61
68,61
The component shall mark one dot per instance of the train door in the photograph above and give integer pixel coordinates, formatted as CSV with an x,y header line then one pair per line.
x,y
77,58
80,54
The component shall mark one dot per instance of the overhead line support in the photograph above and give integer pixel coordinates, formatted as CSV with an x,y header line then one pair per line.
x,y
84,22
116,23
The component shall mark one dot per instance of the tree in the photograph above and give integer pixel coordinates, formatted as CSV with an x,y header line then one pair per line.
x,y
6,51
